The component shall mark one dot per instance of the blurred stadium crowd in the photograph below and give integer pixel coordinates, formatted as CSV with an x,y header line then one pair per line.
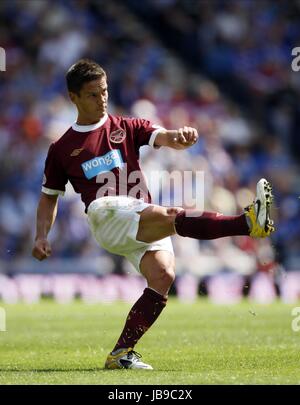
x,y
223,67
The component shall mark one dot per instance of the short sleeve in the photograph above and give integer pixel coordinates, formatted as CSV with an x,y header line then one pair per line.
x,y
55,179
144,132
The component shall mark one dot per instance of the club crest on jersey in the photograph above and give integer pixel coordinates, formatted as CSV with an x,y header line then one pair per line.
x,y
117,136
102,164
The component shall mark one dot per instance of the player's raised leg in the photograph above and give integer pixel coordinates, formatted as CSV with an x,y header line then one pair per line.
x,y
158,269
159,222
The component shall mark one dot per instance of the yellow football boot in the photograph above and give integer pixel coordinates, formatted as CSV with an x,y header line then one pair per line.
x,y
258,213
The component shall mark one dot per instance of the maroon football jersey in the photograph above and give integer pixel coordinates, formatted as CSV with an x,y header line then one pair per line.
x,y
100,159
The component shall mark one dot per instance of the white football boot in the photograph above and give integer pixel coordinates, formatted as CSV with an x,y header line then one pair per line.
x,y
125,358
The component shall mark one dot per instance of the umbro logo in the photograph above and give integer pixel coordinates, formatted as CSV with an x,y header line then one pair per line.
x,y
76,152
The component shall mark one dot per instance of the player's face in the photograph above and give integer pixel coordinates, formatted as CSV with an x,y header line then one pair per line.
x,y
92,101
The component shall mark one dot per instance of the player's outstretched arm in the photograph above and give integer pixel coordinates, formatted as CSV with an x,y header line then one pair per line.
x,y
181,138
46,214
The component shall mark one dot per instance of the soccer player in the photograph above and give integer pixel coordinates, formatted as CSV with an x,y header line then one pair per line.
x,y
98,155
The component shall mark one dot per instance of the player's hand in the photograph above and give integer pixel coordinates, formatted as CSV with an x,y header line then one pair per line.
x,y
185,137
41,249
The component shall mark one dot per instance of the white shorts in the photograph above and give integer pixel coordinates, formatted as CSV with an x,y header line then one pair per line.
x,y
114,223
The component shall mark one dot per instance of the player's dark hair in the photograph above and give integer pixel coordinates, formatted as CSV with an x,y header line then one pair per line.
x,y
85,70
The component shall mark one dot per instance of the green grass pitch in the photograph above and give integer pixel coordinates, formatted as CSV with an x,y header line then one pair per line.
x,y
198,343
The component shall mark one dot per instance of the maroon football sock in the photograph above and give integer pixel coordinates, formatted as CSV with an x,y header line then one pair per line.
x,y
209,225
141,316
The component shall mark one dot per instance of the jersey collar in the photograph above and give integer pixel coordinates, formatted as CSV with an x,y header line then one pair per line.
x,y
88,128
